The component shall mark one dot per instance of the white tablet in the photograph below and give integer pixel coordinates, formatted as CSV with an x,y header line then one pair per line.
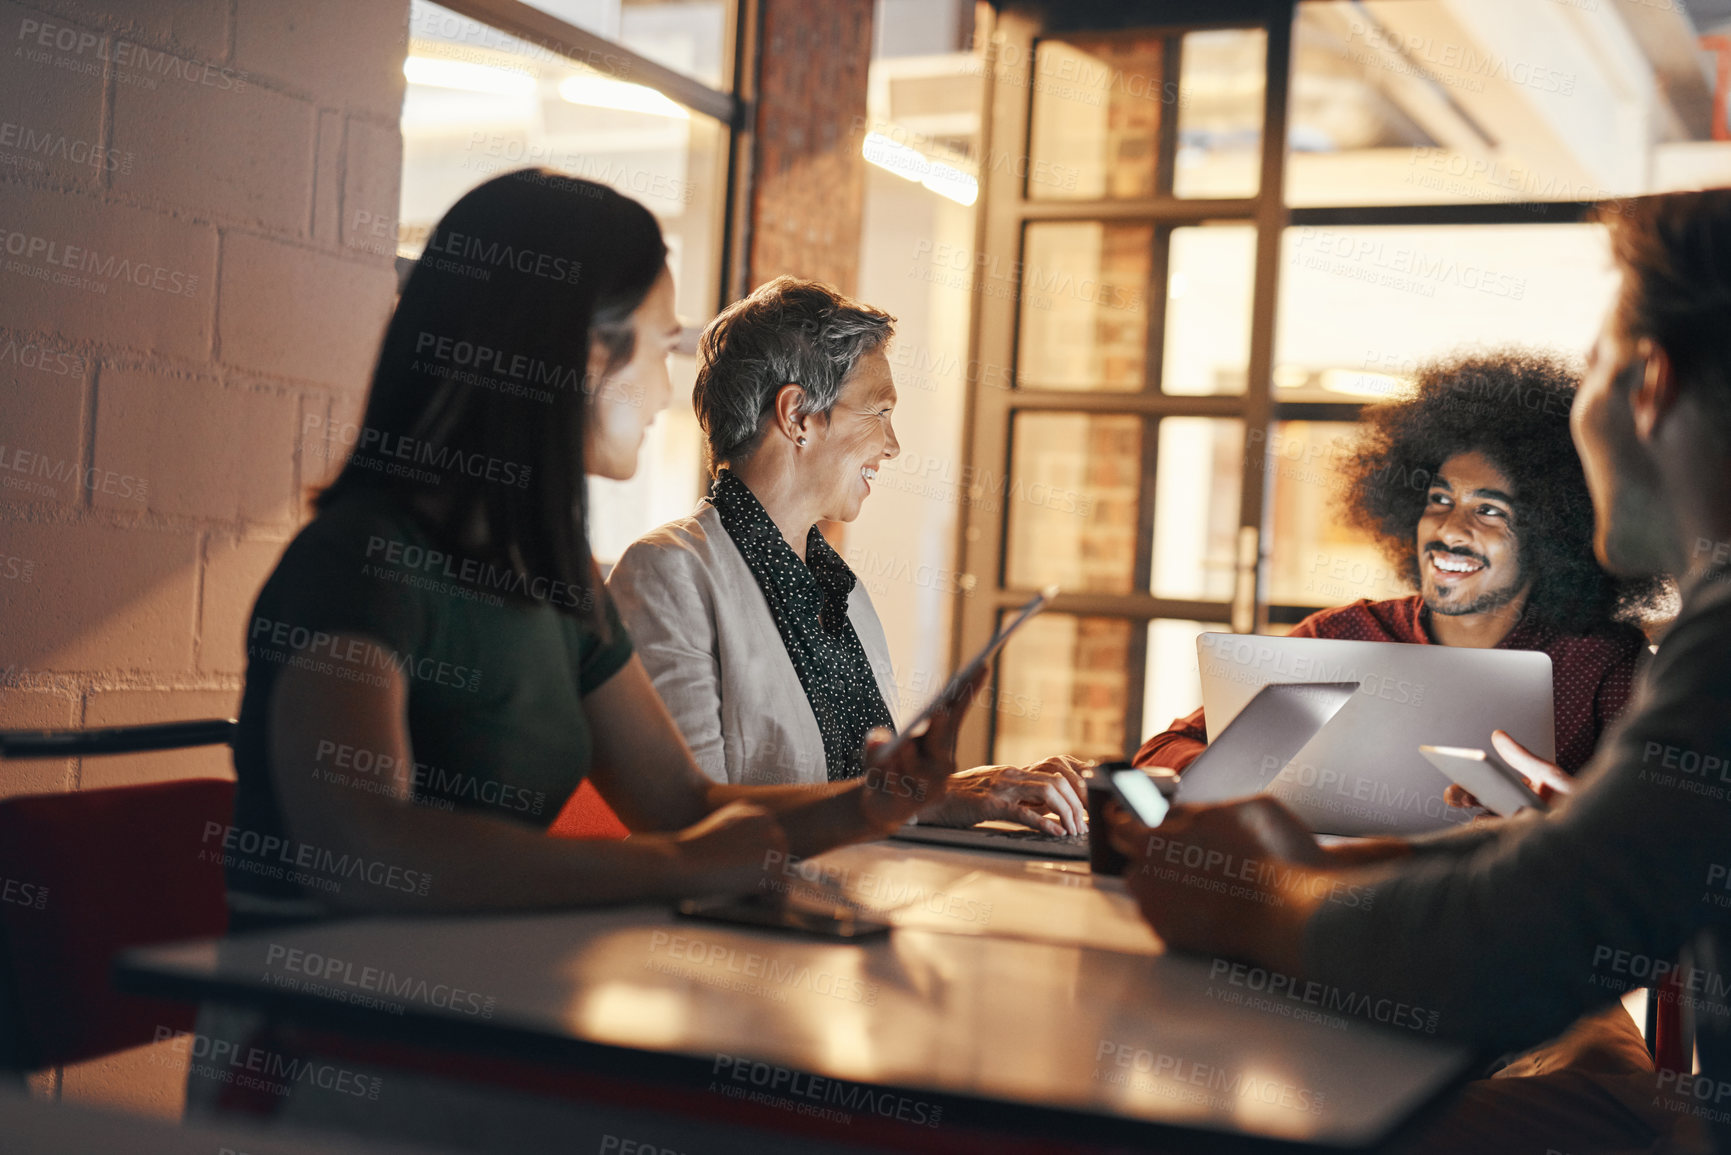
x,y
1488,778
950,695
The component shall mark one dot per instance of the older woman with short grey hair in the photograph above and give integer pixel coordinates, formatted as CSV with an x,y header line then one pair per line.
x,y
762,643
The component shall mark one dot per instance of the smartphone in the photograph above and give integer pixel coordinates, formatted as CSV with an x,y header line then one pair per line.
x,y
773,912
1137,793
1497,785
950,696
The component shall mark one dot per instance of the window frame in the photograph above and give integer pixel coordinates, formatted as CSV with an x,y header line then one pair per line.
x,y
1003,216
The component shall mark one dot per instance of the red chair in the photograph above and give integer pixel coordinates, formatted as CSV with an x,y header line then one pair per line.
x,y
88,874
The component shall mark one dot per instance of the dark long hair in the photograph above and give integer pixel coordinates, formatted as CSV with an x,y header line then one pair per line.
x,y
480,390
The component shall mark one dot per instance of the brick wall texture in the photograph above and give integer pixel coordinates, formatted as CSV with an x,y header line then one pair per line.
x,y
809,183
178,291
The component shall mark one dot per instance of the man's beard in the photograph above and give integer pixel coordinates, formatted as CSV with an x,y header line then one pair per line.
x,y
1494,599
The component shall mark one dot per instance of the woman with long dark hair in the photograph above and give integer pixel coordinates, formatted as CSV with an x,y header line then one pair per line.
x,y
434,666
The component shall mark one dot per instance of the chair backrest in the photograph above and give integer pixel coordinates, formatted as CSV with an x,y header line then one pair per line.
x,y
587,815
87,874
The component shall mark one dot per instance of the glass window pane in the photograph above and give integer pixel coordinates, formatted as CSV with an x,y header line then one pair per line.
x,y
1063,682
1314,558
1197,482
1221,79
480,103
1096,116
1074,480
1411,293
1436,102
1084,316
1172,687
689,36
1210,271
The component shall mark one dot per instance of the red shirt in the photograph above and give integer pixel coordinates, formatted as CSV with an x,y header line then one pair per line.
x,y
1592,674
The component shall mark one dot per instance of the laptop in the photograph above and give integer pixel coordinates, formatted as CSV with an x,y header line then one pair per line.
x,y
1362,773
1261,739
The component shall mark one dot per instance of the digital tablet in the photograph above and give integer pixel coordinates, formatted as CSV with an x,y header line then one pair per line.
x,y
950,695
1497,786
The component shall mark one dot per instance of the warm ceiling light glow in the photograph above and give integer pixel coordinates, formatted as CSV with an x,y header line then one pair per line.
x,y
435,73
601,92
907,163
949,181
1358,383
911,164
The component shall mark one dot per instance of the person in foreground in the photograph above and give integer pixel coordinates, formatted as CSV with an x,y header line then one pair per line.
x,y
755,632
434,667
1513,930
1476,496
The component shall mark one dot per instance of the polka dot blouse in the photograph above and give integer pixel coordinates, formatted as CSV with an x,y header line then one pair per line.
x,y
808,600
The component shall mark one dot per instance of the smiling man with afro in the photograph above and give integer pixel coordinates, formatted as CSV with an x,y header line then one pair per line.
x,y
1472,486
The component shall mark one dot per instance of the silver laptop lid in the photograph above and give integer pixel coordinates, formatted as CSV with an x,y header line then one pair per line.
x,y
1362,773
1263,737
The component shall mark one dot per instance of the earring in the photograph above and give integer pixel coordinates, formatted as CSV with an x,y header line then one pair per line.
x,y
800,442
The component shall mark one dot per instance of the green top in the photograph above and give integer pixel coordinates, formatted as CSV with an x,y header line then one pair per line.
x,y
496,675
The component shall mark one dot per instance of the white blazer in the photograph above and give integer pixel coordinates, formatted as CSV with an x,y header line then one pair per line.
x,y
704,631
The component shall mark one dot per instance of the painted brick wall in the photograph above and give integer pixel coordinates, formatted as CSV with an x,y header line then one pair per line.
x,y
185,281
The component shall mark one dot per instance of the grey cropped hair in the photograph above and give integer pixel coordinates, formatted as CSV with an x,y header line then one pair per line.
x,y
787,331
